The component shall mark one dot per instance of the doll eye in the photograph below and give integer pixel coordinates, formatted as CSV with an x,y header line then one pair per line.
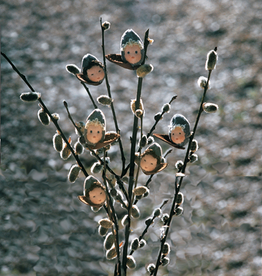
x,y
136,52
98,131
128,52
152,164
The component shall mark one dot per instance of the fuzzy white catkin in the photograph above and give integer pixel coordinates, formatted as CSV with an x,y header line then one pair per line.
x,y
211,60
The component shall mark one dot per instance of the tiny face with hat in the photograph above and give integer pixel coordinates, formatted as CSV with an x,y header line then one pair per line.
x,y
151,160
179,130
94,192
131,47
92,71
95,127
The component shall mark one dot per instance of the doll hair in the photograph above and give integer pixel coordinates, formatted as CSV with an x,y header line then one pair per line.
x,y
131,42
153,154
171,127
91,64
93,186
94,122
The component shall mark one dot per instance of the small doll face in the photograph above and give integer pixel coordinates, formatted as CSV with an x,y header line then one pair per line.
x,y
148,163
133,53
94,133
178,135
95,73
97,196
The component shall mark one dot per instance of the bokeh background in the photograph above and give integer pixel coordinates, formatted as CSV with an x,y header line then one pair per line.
x,y
44,229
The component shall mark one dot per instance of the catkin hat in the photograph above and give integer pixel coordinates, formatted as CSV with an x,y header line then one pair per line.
x,y
130,37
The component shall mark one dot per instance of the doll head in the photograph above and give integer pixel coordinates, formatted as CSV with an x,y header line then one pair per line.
x,y
92,69
94,192
95,127
132,50
151,160
179,130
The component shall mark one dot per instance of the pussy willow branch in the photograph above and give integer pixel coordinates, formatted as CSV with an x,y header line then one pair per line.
x,y
23,77
160,117
178,185
132,159
151,130
148,225
109,95
120,182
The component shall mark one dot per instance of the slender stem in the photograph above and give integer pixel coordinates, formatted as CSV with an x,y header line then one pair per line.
x,y
115,220
148,225
89,94
23,77
131,173
178,185
167,229
109,94
132,160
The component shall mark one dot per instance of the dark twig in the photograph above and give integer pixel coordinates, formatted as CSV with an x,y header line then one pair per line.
x,y
49,114
89,94
132,160
148,225
109,95
114,218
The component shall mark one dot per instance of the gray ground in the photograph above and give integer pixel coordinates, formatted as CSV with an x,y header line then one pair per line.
x,y
44,229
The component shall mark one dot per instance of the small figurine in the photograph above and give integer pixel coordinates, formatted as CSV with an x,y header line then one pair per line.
x,y
132,51
151,160
94,132
94,192
95,127
179,132
92,71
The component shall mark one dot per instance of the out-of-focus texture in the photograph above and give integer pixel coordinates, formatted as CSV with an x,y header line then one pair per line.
x,y
44,228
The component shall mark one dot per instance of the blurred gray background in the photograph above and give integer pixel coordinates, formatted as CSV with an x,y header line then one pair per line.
x,y
44,229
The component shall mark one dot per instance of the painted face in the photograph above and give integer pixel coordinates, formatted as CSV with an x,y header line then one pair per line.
x,y
97,196
178,135
94,133
132,54
95,73
148,163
